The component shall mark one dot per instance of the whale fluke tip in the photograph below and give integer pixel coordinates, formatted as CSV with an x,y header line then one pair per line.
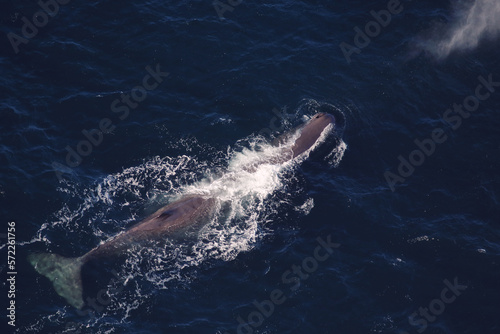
x,y
64,273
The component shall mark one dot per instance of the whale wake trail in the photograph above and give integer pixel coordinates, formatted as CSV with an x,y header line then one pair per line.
x,y
471,23
248,198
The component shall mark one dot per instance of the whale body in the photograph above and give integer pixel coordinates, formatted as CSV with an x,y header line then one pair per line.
x,y
65,273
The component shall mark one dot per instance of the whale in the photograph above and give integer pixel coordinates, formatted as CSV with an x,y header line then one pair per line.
x,y
174,218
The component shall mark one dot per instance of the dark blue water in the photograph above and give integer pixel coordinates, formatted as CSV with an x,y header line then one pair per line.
x,y
417,254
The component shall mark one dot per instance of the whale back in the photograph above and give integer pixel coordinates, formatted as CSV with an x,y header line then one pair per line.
x,y
175,216
311,132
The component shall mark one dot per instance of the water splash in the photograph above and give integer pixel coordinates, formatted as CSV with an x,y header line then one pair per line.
x,y
336,155
473,23
245,204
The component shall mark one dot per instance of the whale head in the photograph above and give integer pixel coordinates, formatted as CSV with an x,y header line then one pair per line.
x,y
311,132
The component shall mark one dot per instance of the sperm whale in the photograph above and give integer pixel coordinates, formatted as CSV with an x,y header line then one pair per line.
x,y
65,273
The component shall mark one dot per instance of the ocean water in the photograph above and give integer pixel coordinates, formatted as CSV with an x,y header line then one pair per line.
x,y
390,227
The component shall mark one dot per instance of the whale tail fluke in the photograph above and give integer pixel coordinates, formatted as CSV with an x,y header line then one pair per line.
x,y
64,273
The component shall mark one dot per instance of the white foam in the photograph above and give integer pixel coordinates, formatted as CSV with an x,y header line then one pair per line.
x,y
242,190
306,207
336,155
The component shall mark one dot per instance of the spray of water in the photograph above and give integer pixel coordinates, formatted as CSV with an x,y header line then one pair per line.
x,y
472,23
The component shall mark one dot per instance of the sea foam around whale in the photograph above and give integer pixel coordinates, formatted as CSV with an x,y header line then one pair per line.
x,y
248,202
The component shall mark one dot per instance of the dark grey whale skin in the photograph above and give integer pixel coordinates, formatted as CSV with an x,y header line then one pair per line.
x,y
169,219
65,273
311,132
